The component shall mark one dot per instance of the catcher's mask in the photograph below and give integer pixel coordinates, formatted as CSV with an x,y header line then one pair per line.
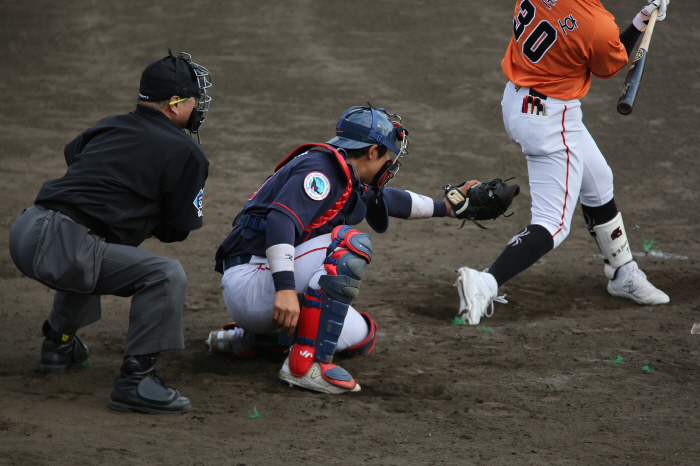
x,y
178,75
361,127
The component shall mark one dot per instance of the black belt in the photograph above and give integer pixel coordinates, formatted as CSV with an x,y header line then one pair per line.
x,y
232,261
534,93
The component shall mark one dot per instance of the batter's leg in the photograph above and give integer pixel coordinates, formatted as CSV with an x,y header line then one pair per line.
x,y
554,149
605,224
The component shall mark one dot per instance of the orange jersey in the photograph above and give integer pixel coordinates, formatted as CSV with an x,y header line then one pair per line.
x,y
558,44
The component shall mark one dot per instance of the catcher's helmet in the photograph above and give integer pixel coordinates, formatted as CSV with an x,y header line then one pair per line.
x,y
179,76
361,127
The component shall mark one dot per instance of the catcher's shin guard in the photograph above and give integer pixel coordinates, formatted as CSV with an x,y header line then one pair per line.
x,y
323,311
366,346
612,241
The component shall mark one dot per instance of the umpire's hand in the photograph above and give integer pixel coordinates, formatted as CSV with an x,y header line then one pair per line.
x,y
286,310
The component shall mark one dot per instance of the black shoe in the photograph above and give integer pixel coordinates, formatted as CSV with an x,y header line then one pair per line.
x,y
146,392
57,357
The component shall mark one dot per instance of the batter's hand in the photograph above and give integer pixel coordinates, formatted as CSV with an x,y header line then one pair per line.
x,y
286,311
464,188
642,18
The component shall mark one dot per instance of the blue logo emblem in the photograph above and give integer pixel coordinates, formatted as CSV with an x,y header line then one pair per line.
x,y
198,202
317,186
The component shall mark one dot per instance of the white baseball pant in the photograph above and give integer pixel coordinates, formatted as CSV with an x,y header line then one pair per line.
x,y
249,292
563,160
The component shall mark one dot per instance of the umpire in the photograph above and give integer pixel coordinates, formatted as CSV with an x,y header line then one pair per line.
x,y
129,177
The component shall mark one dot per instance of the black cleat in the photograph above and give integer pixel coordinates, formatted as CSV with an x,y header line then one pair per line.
x,y
57,357
144,391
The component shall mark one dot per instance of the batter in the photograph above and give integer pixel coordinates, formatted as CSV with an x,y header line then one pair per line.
x,y
555,49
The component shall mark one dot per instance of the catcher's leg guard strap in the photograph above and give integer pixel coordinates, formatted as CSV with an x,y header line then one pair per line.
x,y
330,324
612,241
366,346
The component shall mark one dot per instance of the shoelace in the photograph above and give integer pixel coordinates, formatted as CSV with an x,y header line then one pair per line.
x,y
462,274
498,299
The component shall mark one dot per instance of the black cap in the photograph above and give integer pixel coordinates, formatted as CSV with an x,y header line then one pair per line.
x,y
167,77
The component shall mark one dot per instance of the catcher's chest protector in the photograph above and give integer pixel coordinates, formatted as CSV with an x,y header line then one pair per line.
x,y
346,171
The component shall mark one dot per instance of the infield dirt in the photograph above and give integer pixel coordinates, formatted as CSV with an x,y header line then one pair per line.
x,y
562,375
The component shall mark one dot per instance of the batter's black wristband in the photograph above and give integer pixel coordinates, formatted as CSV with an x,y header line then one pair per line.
x,y
284,280
629,38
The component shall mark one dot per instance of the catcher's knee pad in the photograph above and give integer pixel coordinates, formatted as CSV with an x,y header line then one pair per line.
x,y
366,346
323,311
612,241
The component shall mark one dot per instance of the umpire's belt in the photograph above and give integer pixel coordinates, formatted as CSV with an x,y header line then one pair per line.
x,y
534,93
232,261
248,221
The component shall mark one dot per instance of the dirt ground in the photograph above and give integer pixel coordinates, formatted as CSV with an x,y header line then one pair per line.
x,y
562,375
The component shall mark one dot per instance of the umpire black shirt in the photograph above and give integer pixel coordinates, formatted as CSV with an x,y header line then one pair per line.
x,y
130,176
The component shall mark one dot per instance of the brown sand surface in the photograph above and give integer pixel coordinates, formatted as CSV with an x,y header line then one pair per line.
x,y
532,385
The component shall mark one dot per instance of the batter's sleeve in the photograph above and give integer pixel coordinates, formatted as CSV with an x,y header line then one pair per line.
x,y
606,54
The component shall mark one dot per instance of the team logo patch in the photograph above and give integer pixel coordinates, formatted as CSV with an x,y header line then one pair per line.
x,y
317,186
198,202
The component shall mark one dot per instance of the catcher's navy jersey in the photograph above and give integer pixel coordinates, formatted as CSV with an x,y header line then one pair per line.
x,y
303,190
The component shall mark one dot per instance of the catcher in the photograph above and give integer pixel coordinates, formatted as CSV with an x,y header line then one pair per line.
x,y
295,238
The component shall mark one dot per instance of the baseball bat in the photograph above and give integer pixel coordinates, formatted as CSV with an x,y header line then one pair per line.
x,y
634,75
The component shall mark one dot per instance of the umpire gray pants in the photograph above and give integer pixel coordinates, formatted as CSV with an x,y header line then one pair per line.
x,y
51,248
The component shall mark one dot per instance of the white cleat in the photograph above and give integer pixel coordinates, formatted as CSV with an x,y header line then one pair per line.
x,y
234,340
314,379
631,283
477,290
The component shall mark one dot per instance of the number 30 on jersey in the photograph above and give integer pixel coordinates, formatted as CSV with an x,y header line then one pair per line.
x,y
540,39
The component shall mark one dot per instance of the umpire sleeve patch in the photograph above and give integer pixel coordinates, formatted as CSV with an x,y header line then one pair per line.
x,y
317,186
198,202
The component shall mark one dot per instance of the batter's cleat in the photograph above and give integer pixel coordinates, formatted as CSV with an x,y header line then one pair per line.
x,y
321,377
58,356
631,283
477,290
144,391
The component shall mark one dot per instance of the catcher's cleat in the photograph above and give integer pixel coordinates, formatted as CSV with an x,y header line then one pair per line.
x,y
57,357
476,291
144,391
631,283
232,340
240,344
321,377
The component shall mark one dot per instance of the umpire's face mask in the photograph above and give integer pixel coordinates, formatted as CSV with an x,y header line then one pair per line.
x,y
197,117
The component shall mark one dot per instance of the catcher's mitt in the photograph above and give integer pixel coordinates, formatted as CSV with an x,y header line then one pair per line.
x,y
484,201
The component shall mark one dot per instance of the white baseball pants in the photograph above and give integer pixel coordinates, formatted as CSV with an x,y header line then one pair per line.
x,y
249,292
563,160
